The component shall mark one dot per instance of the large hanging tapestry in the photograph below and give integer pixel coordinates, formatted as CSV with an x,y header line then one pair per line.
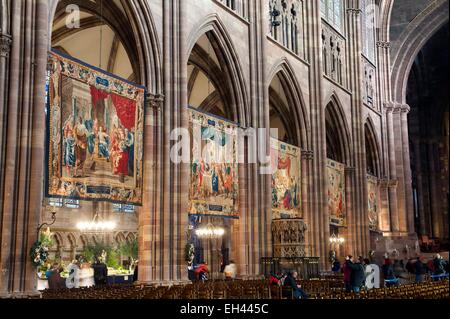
x,y
95,135
214,166
373,202
286,183
336,193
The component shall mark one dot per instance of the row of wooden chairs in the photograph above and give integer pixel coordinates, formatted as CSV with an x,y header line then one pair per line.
x,y
251,289
425,290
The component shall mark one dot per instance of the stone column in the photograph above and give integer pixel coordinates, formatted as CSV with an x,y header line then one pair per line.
x,y
318,181
392,188
308,215
351,243
384,217
147,222
400,170
358,152
436,213
5,220
423,213
405,109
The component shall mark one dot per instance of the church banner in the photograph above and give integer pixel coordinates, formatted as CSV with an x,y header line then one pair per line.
x,y
286,182
95,134
373,201
336,193
214,166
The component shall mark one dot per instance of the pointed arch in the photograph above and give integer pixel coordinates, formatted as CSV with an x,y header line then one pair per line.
x,y
373,150
225,51
141,40
337,132
294,115
411,41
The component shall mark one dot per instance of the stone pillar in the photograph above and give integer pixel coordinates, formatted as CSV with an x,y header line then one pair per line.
x,y
400,170
308,215
318,180
23,147
147,222
352,244
5,220
405,109
436,213
357,159
392,188
384,217
423,213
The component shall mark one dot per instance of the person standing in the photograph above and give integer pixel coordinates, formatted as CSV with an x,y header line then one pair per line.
x,y
100,273
358,276
55,281
347,273
419,270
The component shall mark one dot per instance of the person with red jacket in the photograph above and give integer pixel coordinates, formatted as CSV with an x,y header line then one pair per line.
x,y
346,269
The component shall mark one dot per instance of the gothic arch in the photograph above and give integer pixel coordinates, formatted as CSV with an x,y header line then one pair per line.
x,y
372,148
337,132
411,41
140,26
296,116
385,7
228,59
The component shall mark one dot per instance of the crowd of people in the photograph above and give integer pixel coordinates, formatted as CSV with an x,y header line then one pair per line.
x,y
56,280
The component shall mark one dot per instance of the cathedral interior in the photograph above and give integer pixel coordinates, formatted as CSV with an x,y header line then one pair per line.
x,y
349,97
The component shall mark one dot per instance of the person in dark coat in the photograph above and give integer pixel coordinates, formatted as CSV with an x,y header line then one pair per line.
x,y
55,281
136,271
291,281
100,273
388,272
358,276
347,273
336,266
439,267
419,270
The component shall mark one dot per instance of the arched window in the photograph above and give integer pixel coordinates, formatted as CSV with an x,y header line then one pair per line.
x,y
332,12
368,28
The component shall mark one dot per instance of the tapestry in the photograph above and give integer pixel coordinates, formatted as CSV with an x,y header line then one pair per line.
x,y
336,193
373,202
286,182
214,166
95,134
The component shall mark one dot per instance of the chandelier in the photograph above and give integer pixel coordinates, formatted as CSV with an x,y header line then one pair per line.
x,y
336,239
210,231
96,225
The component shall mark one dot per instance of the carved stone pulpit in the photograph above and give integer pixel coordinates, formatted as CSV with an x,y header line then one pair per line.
x,y
289,238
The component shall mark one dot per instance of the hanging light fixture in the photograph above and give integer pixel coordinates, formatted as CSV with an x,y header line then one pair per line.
x,y
336,239
96,225
210,231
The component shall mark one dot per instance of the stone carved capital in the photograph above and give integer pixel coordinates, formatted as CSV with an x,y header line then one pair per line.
x,y
392,183
354,11
154,101
384,183
308,155
405,108
5,45
388,106
383,44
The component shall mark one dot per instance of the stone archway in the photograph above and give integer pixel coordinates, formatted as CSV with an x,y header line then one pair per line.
x,y
411,41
